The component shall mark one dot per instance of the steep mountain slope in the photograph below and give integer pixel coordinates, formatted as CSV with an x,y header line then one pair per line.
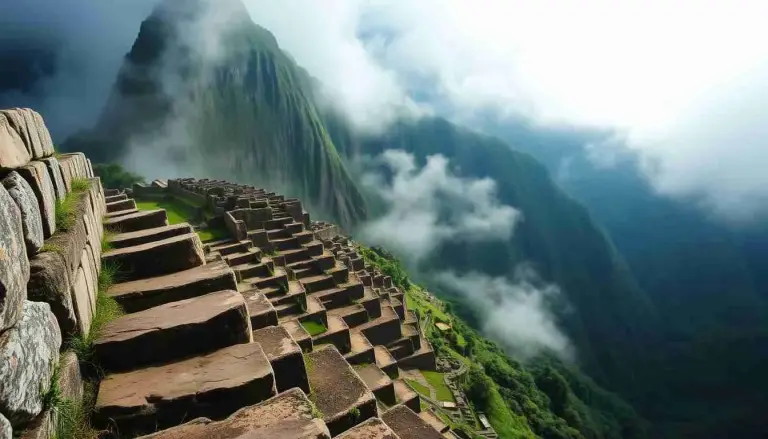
x,y
708,282
612,321
206,91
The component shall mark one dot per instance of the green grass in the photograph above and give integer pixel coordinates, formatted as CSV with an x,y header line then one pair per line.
x,y
48,247
73,420
65,213
106,245
182,211
313,327
421,388
80,185
437,381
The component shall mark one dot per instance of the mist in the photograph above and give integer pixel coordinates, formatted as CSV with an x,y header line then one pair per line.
x,y
428,205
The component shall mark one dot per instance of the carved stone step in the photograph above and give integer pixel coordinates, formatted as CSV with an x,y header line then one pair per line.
x,y
287,415
137,221
337,391
373,428
130,239
143,294
213,385
173,331
408,425
285,356
115,206
156,258
379,383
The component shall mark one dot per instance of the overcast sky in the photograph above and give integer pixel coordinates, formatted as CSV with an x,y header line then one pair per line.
x,y
684,82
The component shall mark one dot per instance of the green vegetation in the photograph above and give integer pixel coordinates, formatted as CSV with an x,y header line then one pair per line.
x,y
437,381
420,388
181,211
106,245
544,399
73,417
355,412
65,212
80,185
313,328
50,247
113,176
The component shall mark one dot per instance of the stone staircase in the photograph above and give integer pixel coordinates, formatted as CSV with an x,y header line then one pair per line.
x,y
216,335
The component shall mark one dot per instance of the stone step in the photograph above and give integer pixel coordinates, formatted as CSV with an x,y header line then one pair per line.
x,y
208,245
304,236
172,331
285,243
295,294
116,206
112,198
299,334
261,269
340,273
143,294
214,385
337,391
384,329
401,348
314,311
408,425
260,310
406,396
434,421
120,213
288,415
293,255
287,309
314,248
353,315
130,239
341,296
411,333
278,234
296,229
277,223
286,357
232,247
385,361
361,351
156,258
277,280
134,222
423,358
379,383
337,335
371,303
250,256
373,428
317,283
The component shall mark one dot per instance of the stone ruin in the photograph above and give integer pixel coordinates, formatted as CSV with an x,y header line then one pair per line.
x,y
280,331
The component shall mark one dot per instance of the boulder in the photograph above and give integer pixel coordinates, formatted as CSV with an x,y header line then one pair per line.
x,y
54,170
13,152
31,222
49,282
45,135
36,144
5,428
14,266
42,427
36,174
18,122
29,353
70,380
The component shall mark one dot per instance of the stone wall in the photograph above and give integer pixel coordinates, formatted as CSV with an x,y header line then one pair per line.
x,y
48,277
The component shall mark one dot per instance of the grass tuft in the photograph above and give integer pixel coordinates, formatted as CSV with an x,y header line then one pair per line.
x,y
74,416
418,387
80,185
355,412
106,244
66,216
50,247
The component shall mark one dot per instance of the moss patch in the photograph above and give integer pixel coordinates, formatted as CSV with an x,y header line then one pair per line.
x,y
420,388
437,381
313,327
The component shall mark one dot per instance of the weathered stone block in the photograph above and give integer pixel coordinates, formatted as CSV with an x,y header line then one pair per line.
x,y
82,291
157,258
13,152
117,206
173,331
45,135
42,427
5,428
143,294
54,169
70,243
286,416
36,174
213,385
285,356
17,118
31,221
373,428
70,380
14,266
137,221
408,425
49,283
28,354
122,240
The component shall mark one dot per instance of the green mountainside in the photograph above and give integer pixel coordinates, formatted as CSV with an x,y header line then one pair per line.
x,y
240,109
247,113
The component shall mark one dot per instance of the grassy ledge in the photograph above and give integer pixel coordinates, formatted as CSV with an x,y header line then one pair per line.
x,y
313,328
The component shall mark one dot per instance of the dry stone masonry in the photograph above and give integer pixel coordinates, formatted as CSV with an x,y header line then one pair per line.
x,y
40,302
280,331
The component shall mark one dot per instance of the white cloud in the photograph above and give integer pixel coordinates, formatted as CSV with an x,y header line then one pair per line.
x,y
683,82
427,206
517,313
